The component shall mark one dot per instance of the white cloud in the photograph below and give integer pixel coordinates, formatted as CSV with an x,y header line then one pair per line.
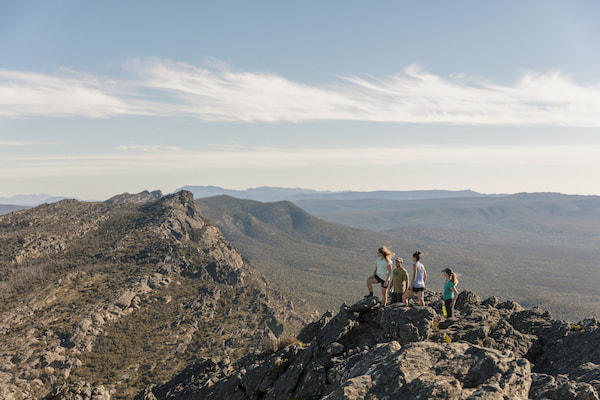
x,y
172,89
25,94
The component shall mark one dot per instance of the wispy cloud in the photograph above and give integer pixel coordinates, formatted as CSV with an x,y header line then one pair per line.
x,y
147,148
172,89
24,94
18,143
164,160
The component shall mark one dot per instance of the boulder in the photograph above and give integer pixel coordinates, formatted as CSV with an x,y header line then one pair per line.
x,y
466,297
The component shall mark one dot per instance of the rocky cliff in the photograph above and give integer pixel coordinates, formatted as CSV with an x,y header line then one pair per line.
x,y
101,299
491,350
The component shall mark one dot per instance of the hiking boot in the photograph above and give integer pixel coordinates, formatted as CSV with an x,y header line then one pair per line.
x,y
369,295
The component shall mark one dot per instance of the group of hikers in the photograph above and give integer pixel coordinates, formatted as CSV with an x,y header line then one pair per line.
x,y
395,281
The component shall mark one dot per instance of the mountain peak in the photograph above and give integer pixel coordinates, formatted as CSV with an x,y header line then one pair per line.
x,y
135,198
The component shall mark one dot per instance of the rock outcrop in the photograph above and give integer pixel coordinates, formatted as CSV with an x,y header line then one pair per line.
x,y
135,198
490,350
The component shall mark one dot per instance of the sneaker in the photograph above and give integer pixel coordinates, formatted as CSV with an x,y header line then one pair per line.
x,y
369,295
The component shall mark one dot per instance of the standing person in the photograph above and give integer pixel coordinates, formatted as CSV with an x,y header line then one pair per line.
x,y
399,282
383,269
450,292
417,284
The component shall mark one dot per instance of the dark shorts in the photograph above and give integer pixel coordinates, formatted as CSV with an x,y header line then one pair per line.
x,y
396,297
418,289
449,309
379,280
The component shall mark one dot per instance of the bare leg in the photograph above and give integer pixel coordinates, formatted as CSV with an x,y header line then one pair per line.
x,y
420,297
406,296
370,283
384,291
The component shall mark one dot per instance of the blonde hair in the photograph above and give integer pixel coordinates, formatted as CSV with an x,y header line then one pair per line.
x,y
386,253
454,278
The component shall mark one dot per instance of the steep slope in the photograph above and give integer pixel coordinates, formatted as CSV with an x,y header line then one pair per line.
x,y
491,350
123,294
309,258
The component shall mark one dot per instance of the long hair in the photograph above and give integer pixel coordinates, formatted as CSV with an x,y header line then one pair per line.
x,y
386,253
454,278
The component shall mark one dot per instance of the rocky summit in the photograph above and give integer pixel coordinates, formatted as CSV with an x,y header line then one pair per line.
x,y
490,350
101,299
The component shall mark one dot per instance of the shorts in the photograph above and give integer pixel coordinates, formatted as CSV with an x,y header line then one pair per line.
x,y
396,297
379,280
418,289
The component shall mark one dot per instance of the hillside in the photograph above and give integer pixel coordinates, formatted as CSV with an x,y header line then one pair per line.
x,y
109,297
491,351
497,252
310,259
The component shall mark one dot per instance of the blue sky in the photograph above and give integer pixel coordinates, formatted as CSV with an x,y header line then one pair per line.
x,y
98,98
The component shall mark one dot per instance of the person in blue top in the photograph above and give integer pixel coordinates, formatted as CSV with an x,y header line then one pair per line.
x,y
381,275
450,292
417,284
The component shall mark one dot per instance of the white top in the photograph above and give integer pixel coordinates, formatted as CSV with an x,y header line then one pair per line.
x,y
420,279
382,270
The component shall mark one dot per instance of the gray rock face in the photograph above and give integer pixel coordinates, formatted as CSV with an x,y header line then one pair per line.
x,y
135,198
79,391
491,351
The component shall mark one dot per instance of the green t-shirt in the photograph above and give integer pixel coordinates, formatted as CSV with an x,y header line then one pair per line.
x,y
400,279
448,292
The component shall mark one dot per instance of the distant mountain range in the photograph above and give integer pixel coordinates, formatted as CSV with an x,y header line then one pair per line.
x,y
31,200
270,194
263,194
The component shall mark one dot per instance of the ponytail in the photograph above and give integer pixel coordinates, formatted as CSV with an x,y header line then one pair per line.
x,y
454,278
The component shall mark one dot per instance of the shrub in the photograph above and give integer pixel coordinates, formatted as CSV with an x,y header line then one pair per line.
x,y
281,365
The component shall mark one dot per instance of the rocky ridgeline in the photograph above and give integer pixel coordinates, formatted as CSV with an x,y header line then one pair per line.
x,y
90,289
491,350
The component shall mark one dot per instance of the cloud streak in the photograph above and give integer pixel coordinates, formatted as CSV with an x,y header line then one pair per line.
x,y
25,94
157,159
170,89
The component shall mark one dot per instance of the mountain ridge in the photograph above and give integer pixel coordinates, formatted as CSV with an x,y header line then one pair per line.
x,y
119,295
274,194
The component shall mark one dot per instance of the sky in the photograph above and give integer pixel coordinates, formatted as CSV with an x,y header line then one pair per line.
x,y
100,98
